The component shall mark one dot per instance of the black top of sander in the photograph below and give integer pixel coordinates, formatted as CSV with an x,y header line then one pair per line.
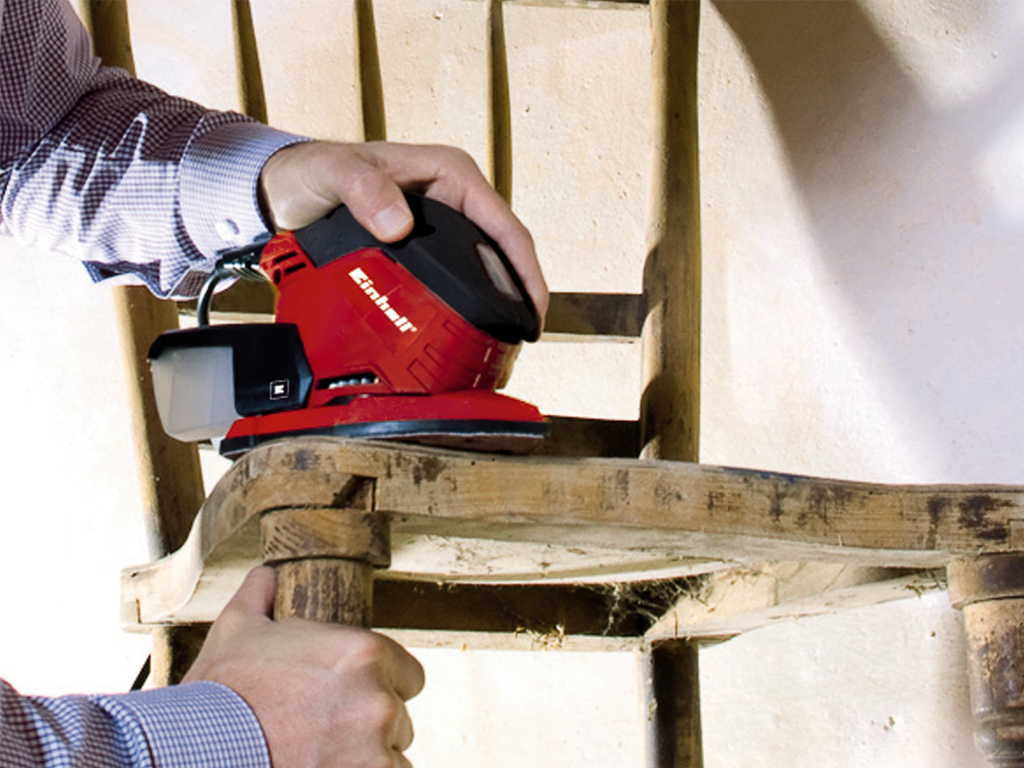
x,y
448,254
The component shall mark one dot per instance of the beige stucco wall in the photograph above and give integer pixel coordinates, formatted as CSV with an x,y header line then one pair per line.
x,y
861,191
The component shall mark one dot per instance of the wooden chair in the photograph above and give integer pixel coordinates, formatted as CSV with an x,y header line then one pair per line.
x,y
607,503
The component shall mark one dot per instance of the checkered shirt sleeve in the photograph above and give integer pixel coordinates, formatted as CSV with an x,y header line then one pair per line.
x,y
197,725
141,186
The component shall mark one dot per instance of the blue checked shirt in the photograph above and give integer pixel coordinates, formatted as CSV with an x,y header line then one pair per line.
x,y
143,188
198,725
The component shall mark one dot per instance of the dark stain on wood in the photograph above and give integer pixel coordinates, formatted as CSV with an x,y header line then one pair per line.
x,y
622,485
667,494
300,599
715,499
747,475
356,493
938,507
996,683
428,468
821,503
775,506
301,460
974,512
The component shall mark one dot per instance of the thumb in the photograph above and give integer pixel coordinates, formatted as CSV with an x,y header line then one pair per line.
x,y
302,182
375,200
256,595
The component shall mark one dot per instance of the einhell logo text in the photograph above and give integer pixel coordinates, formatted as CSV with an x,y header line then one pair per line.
x,y
401,322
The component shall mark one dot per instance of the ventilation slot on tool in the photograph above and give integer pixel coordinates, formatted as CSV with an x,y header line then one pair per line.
x,y
277,260
352,380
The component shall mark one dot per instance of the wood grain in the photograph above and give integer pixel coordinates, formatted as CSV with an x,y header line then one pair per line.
x,y
654,515
670,404
325,589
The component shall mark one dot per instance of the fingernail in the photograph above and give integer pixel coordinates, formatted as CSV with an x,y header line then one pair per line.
x,y
392,222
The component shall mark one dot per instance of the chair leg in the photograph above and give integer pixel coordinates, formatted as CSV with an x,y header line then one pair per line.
x,y
325,557
990,592
174,650
672,690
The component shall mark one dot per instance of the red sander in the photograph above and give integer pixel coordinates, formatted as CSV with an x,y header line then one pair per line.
x,y
402,341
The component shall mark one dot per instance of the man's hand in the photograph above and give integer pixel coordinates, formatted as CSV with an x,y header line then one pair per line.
x,y
327,696
304,181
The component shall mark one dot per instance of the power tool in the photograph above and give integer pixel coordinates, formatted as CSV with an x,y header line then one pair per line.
x,y
401,341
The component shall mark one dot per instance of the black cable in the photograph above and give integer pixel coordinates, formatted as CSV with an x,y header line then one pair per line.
x,y
143,676
241,262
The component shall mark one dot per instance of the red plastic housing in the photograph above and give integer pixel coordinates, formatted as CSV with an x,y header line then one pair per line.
x,y
369,327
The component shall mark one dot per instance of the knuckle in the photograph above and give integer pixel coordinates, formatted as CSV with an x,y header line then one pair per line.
x,y
369,649
366,655
456,156
383,712
462,156
363,181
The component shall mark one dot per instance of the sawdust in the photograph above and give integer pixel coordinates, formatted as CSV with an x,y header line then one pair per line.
x,y
544,641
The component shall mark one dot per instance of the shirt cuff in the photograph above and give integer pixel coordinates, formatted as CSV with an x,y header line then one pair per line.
x,y
219,176
201,723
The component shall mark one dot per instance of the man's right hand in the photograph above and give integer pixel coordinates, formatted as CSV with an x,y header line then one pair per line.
x,y
304,181
327,696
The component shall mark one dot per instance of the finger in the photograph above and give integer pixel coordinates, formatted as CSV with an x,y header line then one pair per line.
x,y
403,732
404,673
452,177
495,217
256,595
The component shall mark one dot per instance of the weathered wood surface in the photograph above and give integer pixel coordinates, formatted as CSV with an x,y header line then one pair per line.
x,y
735,600
990,591
455,516
672,691
369,86
325,557
670,403
499,109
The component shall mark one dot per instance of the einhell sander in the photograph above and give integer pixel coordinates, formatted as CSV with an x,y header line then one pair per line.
x,y
403,341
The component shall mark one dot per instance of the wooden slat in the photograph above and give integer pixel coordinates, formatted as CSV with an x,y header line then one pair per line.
x,y
670,403
368,78
740,599
505,641
655,515
499,116
595,316
250,75
541,610
670,406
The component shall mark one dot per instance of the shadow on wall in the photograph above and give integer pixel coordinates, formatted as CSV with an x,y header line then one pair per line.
x,y
892,182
